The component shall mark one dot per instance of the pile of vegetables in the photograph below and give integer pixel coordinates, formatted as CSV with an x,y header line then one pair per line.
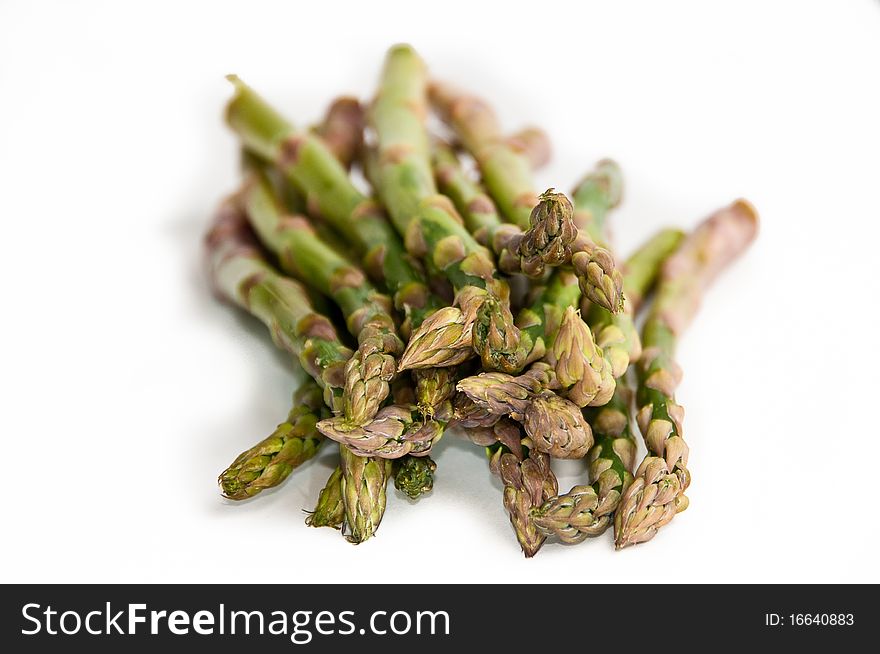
x,y
456,297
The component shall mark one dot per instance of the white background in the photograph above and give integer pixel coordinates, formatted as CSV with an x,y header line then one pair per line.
x,y
127,388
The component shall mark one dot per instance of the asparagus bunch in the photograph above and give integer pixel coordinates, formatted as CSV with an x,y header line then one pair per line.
x,y
418,272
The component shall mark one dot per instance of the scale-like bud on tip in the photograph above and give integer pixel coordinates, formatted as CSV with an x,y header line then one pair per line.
x,y
527,484
572,517
580,365
496,339
270,462
649,503
442,340
395,431
414,476
330,509
550,235
600,281
557,427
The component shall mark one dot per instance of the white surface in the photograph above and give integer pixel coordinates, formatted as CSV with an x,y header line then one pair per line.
x,y
127,388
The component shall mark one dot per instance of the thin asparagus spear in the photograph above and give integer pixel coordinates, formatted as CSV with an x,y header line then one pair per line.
x,y
547,243
330,509
269,462
242,276
433,230
367,312
309,164
657,492
507,175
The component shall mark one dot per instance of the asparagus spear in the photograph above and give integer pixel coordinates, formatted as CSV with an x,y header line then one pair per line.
x,y
507,175
367,312
433,230
547,243
243,277
657,492
309,164
269,462
330,509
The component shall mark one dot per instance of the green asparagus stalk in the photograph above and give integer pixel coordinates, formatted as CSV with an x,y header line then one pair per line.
x,y
433,230
270,461
507,175
330,509
657,492
243,277
363,486
366,310
551,231
311,166
641,269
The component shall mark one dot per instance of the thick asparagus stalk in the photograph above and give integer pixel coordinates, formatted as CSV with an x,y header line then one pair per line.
x,y
243,277
307,161
551,231
433,230
367,312
507,175
657,492
269,462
